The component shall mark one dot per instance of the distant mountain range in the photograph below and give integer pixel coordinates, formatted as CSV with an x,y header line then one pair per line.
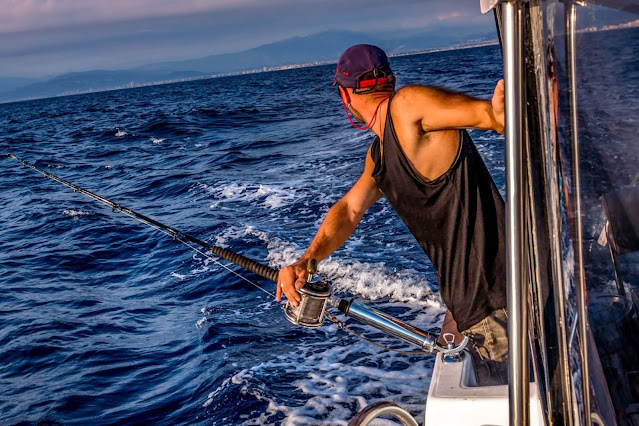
x,y
318,48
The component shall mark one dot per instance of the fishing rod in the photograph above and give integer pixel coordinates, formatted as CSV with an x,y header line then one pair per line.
x,y
316,294
235,258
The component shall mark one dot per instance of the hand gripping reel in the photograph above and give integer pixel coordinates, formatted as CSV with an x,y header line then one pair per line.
x,y
314,298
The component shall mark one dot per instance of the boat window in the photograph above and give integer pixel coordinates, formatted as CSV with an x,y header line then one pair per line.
x,y
607,70
593,86
583,221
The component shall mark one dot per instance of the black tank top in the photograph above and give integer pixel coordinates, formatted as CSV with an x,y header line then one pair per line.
x,y
457,219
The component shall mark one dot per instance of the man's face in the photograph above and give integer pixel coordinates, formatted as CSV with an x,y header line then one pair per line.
x,y
347,101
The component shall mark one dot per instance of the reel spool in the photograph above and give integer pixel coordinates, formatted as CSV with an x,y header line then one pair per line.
x,y
314,297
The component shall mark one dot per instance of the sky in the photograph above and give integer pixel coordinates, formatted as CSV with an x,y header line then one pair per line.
x,y
42,38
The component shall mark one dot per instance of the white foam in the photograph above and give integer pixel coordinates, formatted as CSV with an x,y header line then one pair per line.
x,y
333,374
77,213
231,233
120,133
369,280
332,378
178,276
157,141
230,191
266,196
274,197
200,324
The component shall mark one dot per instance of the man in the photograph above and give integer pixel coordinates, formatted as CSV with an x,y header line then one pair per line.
x,y
426,165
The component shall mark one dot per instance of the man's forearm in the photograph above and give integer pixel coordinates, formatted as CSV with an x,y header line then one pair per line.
x,y
337,227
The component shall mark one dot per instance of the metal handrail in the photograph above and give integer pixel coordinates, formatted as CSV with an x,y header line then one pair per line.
x,y
382,408
514,94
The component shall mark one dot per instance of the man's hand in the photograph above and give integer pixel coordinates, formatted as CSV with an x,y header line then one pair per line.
x,y
290,279
498,106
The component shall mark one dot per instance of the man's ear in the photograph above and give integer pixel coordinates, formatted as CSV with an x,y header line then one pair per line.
x,y
344,95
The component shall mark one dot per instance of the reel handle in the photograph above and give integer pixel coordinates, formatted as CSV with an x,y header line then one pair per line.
x,y
311,267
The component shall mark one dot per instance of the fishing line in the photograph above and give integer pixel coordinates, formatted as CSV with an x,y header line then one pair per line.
x,y
227,268
206,255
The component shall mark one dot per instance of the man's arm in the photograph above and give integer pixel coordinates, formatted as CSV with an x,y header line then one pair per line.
x,y
339,223
438,109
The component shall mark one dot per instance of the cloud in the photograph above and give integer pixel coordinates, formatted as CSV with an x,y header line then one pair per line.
x,y
449,15
25,15
29,15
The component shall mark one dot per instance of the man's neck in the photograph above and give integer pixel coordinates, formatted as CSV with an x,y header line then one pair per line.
x,y
373,107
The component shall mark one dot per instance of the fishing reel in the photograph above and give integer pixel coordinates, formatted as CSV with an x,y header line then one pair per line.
x,y
317,294
314,295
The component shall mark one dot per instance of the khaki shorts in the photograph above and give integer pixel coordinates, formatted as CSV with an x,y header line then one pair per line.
x,y
489,348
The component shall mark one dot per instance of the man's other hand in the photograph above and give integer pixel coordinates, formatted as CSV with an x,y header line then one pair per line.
x,y
498,106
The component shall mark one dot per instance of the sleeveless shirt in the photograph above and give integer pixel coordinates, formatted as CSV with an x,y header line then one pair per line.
x,y
458,219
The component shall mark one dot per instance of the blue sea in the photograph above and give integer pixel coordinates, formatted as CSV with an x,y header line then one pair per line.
x,y
104,320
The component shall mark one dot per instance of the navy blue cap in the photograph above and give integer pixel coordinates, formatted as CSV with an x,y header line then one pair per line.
x,y
358,60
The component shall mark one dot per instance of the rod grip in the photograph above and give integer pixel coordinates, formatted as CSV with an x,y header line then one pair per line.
x,y
246,263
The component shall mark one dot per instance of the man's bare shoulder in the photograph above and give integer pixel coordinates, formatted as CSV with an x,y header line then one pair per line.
x,y
420,92
410,101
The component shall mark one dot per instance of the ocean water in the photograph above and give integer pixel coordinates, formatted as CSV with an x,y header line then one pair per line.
x,y
104,320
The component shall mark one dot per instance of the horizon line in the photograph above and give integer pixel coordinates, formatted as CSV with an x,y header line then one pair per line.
x,y
236,73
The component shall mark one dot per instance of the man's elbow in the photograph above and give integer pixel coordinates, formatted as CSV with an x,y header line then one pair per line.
x,y
348,212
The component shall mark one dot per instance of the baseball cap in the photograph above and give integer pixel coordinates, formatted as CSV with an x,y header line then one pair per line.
x,y
358,60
